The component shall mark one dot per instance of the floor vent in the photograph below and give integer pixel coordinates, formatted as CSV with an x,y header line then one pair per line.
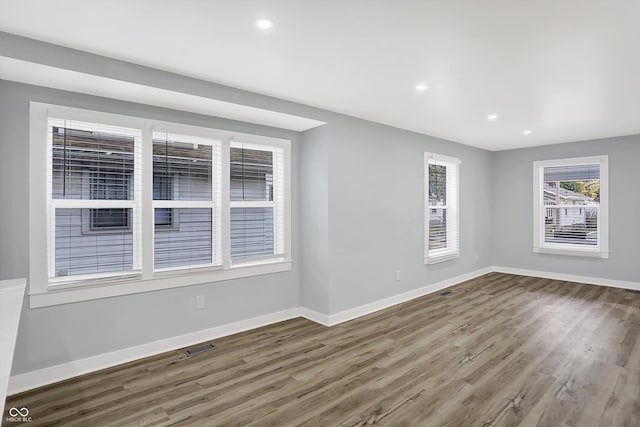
x,y
444,294
201,349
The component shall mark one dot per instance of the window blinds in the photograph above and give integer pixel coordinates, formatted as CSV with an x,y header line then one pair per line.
x,y
571,204
93,205
95,201
186,217
572,172
257,202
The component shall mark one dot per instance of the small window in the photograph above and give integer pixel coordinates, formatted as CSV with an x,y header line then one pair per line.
x,y
441,203
570,206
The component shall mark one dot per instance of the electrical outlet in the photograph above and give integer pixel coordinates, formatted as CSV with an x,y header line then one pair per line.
x,y
397,275
199,302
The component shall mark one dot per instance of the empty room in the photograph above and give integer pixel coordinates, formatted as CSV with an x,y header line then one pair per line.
x,y
319,213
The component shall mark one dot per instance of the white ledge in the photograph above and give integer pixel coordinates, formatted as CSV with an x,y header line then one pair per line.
x,y
589,253
112,288
73,81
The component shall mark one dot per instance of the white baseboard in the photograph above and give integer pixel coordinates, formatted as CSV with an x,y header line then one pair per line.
x,y
570,277
34,379
52,374
365,309
315,316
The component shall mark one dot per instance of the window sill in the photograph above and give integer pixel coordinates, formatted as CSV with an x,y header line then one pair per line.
x,y
570,251
441,257
82,291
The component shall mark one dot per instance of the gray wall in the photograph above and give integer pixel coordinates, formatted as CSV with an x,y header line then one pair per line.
x,y
59,334
512,183
376,211
314,214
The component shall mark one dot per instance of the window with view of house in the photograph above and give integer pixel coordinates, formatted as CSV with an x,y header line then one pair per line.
x,y
571,206
441,208
183,201
256,201
91,201
130,203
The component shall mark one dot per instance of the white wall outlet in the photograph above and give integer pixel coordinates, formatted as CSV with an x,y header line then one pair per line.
x,y
397,275
199,302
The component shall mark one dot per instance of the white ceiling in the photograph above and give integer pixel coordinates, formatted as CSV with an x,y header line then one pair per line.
x,y
567,70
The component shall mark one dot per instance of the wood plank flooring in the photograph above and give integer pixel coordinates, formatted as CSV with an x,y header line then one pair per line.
x,y
501,350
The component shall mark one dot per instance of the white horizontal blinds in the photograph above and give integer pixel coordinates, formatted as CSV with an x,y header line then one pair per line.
x,y
438,236
186,181
257,201
571,204
441,214
93,200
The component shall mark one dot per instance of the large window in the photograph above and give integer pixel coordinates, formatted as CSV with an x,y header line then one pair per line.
x,y
571,206
130,203
441,208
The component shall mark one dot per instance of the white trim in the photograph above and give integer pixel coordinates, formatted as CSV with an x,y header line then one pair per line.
x,y
52,374
601,281
446,255
43,75
314,316
372,307
106,288
570,250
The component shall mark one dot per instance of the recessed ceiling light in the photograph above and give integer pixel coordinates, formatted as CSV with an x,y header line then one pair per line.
x,y
492,116
264,23
421,87
526,132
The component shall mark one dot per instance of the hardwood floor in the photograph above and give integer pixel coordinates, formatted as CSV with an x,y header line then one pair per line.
x,y
501,350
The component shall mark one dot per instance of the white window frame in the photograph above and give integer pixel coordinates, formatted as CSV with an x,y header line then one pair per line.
x,y
44,292
601,250
452,209
215,204
53,204
278,203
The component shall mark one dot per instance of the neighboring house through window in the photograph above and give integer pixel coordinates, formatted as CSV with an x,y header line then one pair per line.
x,y
163,190
571,206
441,208
108,186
